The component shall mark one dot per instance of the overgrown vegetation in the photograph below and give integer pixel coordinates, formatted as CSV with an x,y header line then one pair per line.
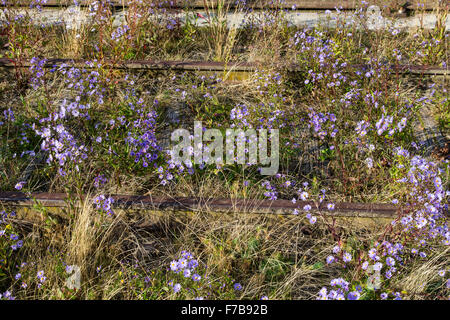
x,y
350,130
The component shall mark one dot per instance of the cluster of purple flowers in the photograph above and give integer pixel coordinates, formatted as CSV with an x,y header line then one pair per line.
x,y
101,10
323,124
100,180
119,32
185,265
8,115
37,72
142,138
316,51
188,277
37,4
340,291
11,238
271,191
7,295
425,224
104,204
41,276
61,145
239,115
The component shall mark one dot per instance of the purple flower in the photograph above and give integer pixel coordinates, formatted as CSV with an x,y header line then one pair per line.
x,y
354,295
174,265
192,264
369,162
347,257
20,185
390,262
187,273
176,287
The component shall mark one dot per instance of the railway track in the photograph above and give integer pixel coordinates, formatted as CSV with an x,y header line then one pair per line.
x,y
255,4
135,202
243,67
298,13
363,214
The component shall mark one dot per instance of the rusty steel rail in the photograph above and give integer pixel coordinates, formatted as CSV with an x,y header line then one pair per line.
x,y
257,4
205,66
278,207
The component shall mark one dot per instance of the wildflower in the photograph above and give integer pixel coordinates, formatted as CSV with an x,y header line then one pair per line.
x,y
176,287
373,254
192,264
237,286
196,277
377,266
390,261
330,259
369,162
361,128
69,269
330,206
347,257
7,295
182,263
174,265
187,273
323,295
304,195
354,295
20,185
365,265
402,124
